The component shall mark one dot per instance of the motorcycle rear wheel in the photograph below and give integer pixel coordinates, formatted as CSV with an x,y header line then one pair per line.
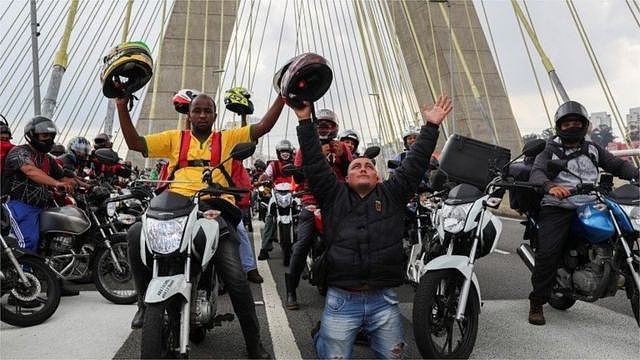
x,y
160,332
434,308
561,302
47,300
107,279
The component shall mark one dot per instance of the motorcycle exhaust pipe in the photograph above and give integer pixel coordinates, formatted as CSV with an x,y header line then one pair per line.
x,y
526,254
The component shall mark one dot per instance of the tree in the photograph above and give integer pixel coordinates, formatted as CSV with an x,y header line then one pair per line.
x,y
602,135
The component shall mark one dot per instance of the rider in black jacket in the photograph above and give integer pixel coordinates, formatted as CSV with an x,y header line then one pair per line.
x,y
364,226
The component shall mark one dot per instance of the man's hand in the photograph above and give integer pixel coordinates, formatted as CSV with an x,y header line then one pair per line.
x,y
122,101
560,192
337,148
66,186
303,112
439,111
326,149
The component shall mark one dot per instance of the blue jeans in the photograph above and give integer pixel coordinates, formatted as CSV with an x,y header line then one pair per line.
x,y
25,223
345,312
247,257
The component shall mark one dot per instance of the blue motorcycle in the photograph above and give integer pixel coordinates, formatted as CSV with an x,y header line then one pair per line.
x,y
602,255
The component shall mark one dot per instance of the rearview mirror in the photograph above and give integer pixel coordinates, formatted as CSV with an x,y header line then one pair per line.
x,y
243,151
393,164
533,147
371,152
107,156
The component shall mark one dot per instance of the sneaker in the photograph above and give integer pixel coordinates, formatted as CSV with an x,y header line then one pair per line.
x,y
536,315
254,276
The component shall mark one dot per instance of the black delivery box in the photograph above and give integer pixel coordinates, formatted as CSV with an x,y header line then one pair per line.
x,y
470,161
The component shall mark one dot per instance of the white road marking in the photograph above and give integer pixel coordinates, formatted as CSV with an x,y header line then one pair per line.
x,y
503,252
284,343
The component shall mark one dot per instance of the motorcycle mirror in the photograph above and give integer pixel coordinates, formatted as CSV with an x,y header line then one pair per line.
x,y
371,152
533,147
393,164
107,156
243,150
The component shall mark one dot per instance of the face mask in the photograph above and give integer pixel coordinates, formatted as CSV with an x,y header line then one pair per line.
x,y
285,156
572,134
43,146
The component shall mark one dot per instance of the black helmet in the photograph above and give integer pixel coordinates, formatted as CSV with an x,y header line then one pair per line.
x,y
237,101
102,141
259,164
57,150
351,135
284,147
131,60
307,78
575,111
4,126
182,100
40,125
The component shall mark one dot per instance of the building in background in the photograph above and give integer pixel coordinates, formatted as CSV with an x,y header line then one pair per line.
x,y
600,118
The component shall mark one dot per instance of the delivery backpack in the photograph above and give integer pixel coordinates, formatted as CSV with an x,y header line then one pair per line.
x,y
239,176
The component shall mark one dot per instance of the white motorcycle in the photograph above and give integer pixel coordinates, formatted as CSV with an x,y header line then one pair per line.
x,y
285,208
447,299
181,297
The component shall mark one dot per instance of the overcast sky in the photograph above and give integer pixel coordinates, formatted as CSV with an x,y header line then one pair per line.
x,y
612,30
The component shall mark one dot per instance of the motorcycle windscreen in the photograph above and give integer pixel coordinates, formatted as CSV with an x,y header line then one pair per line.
x,y
593,222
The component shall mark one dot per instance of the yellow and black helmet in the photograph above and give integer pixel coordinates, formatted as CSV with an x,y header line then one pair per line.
x,y
127,68
237,101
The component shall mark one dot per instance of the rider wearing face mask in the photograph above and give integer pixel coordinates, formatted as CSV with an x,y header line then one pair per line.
x,y
284,152
558,205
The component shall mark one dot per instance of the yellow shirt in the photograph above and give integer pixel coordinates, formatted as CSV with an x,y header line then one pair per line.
x,y
189,179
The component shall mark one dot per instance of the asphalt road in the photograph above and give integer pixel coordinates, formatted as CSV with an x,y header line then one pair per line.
x,y
88,326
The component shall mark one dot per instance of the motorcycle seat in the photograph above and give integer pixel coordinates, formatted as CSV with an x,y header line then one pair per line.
x,y
627,194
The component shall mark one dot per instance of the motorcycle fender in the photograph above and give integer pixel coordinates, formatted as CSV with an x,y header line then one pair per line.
x,y
458,262
164,287
284,219
211,229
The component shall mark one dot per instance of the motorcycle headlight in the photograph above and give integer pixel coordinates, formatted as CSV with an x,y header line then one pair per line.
x,y
283,200
633,212
111,208
165,236
261,188
126,219
453,217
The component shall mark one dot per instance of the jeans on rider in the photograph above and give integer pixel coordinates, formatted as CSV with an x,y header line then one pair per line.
x,y
227,263
247,257
306,234
346,312
25,224
553,232
268,232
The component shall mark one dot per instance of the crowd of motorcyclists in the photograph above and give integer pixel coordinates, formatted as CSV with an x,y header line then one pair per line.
x,y
34,171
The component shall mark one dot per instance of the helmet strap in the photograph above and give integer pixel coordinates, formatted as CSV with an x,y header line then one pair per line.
x,y
131,98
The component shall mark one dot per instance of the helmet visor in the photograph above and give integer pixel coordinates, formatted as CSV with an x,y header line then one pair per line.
x,y
45,127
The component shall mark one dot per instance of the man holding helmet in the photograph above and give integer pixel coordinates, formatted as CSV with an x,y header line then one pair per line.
x,y
273,173
558,205
28,175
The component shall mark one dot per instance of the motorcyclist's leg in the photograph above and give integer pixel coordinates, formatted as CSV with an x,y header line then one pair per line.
x,y
141,274
267,236
25,224
247,257
306,233
227,262
553,230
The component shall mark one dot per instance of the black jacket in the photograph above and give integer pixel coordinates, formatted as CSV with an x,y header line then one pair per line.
x,y
364,235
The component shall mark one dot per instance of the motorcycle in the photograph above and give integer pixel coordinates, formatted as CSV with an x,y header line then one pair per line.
x,y
263,199
447,299
29,290
602,255
284,205
181,297
77,246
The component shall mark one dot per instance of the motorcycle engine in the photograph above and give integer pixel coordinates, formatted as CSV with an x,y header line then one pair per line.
x,y
201,310
587,277
61,244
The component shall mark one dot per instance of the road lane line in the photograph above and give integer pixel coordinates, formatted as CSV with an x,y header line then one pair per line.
x,y
284,343
503,252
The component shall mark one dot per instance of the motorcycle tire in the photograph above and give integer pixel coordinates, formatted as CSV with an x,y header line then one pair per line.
x,y
561,302
434,308
160,335
284,238
104,272
632,290
197,335
37,270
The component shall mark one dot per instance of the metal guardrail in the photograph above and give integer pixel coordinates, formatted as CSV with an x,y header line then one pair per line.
x,y
626,152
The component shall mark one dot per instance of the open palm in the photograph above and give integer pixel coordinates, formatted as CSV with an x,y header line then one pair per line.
x,y
438,111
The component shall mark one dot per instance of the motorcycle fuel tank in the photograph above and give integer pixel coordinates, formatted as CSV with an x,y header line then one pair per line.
x,y
66,219
593,222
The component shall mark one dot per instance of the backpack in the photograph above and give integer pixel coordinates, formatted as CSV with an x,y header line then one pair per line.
x,y
239,176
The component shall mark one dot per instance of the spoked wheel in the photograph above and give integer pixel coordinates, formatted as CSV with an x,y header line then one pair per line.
x,y
438,334
31,304
116,286
160,331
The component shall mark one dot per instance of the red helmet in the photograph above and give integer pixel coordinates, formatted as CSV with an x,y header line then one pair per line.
x,y
307,78
182,99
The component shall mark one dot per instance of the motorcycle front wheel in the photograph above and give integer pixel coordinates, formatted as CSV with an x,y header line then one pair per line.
x,y
438,334
285,242
116,286
32,304
160,331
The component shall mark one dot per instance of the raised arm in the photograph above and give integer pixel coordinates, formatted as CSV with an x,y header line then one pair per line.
x,y
131,136
268,120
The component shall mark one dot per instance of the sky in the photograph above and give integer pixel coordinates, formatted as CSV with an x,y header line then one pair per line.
x,y
612,30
